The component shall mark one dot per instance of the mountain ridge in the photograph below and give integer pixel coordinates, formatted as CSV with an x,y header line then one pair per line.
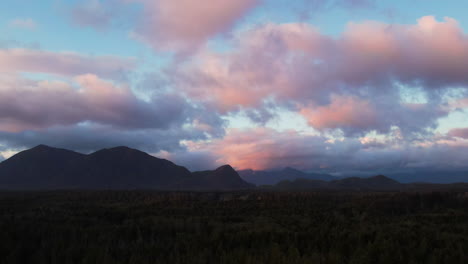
x,y
44,167
374,183
272,177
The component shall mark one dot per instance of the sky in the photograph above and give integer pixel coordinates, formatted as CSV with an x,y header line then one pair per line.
x,y
320,85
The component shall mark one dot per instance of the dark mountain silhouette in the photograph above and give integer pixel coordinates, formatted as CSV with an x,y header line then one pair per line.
x,y
126,168
274,177
379,182
38,168
223,178
431,176
301,184
376,183
44,167
406,176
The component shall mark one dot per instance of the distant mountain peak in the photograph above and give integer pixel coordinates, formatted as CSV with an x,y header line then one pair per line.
x,y
42,147
291,169
121,148
384,179
121,151
380,176
225,168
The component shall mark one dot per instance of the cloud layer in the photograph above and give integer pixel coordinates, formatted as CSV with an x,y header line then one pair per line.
x,y
351,90
32,105
264,148
352,82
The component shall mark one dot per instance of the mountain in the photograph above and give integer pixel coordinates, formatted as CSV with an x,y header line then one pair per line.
x,y
38,167
223,178
430,176
45,168
274,177
126,168
301,184
379,182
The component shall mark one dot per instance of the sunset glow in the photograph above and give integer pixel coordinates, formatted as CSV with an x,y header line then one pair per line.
x,y
373,84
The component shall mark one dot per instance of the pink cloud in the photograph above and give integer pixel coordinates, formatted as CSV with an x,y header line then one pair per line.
x,y
341,112
459,103
63,63
459,132
186,24
294,66
26,105
264,149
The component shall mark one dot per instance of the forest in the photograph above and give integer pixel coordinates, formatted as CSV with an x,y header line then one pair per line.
x,y
68,227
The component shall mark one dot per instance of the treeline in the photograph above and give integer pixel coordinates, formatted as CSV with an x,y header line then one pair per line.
x,y
240,227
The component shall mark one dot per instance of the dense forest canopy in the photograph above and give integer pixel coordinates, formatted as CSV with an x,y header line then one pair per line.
x,y
233,227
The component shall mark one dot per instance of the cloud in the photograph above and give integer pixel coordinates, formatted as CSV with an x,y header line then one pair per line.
x,y
103,15
355,78
26,104
186,24
63,63
310,8
93,13
91,137
24,23
341,113
459,103
459,132
192,160
264,149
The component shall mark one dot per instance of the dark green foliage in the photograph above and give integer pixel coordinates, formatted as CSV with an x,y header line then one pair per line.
x,y
237,227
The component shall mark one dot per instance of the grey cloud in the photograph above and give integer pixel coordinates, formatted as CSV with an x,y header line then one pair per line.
x,y
87,138
26,104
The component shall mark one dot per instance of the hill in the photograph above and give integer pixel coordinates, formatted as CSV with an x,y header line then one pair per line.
x,y
276,176
379,182
44,168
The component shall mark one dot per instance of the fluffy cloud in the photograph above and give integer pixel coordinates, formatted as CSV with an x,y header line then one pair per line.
x,y
185,24
351,82
343,112
63,63
26,104
87,111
